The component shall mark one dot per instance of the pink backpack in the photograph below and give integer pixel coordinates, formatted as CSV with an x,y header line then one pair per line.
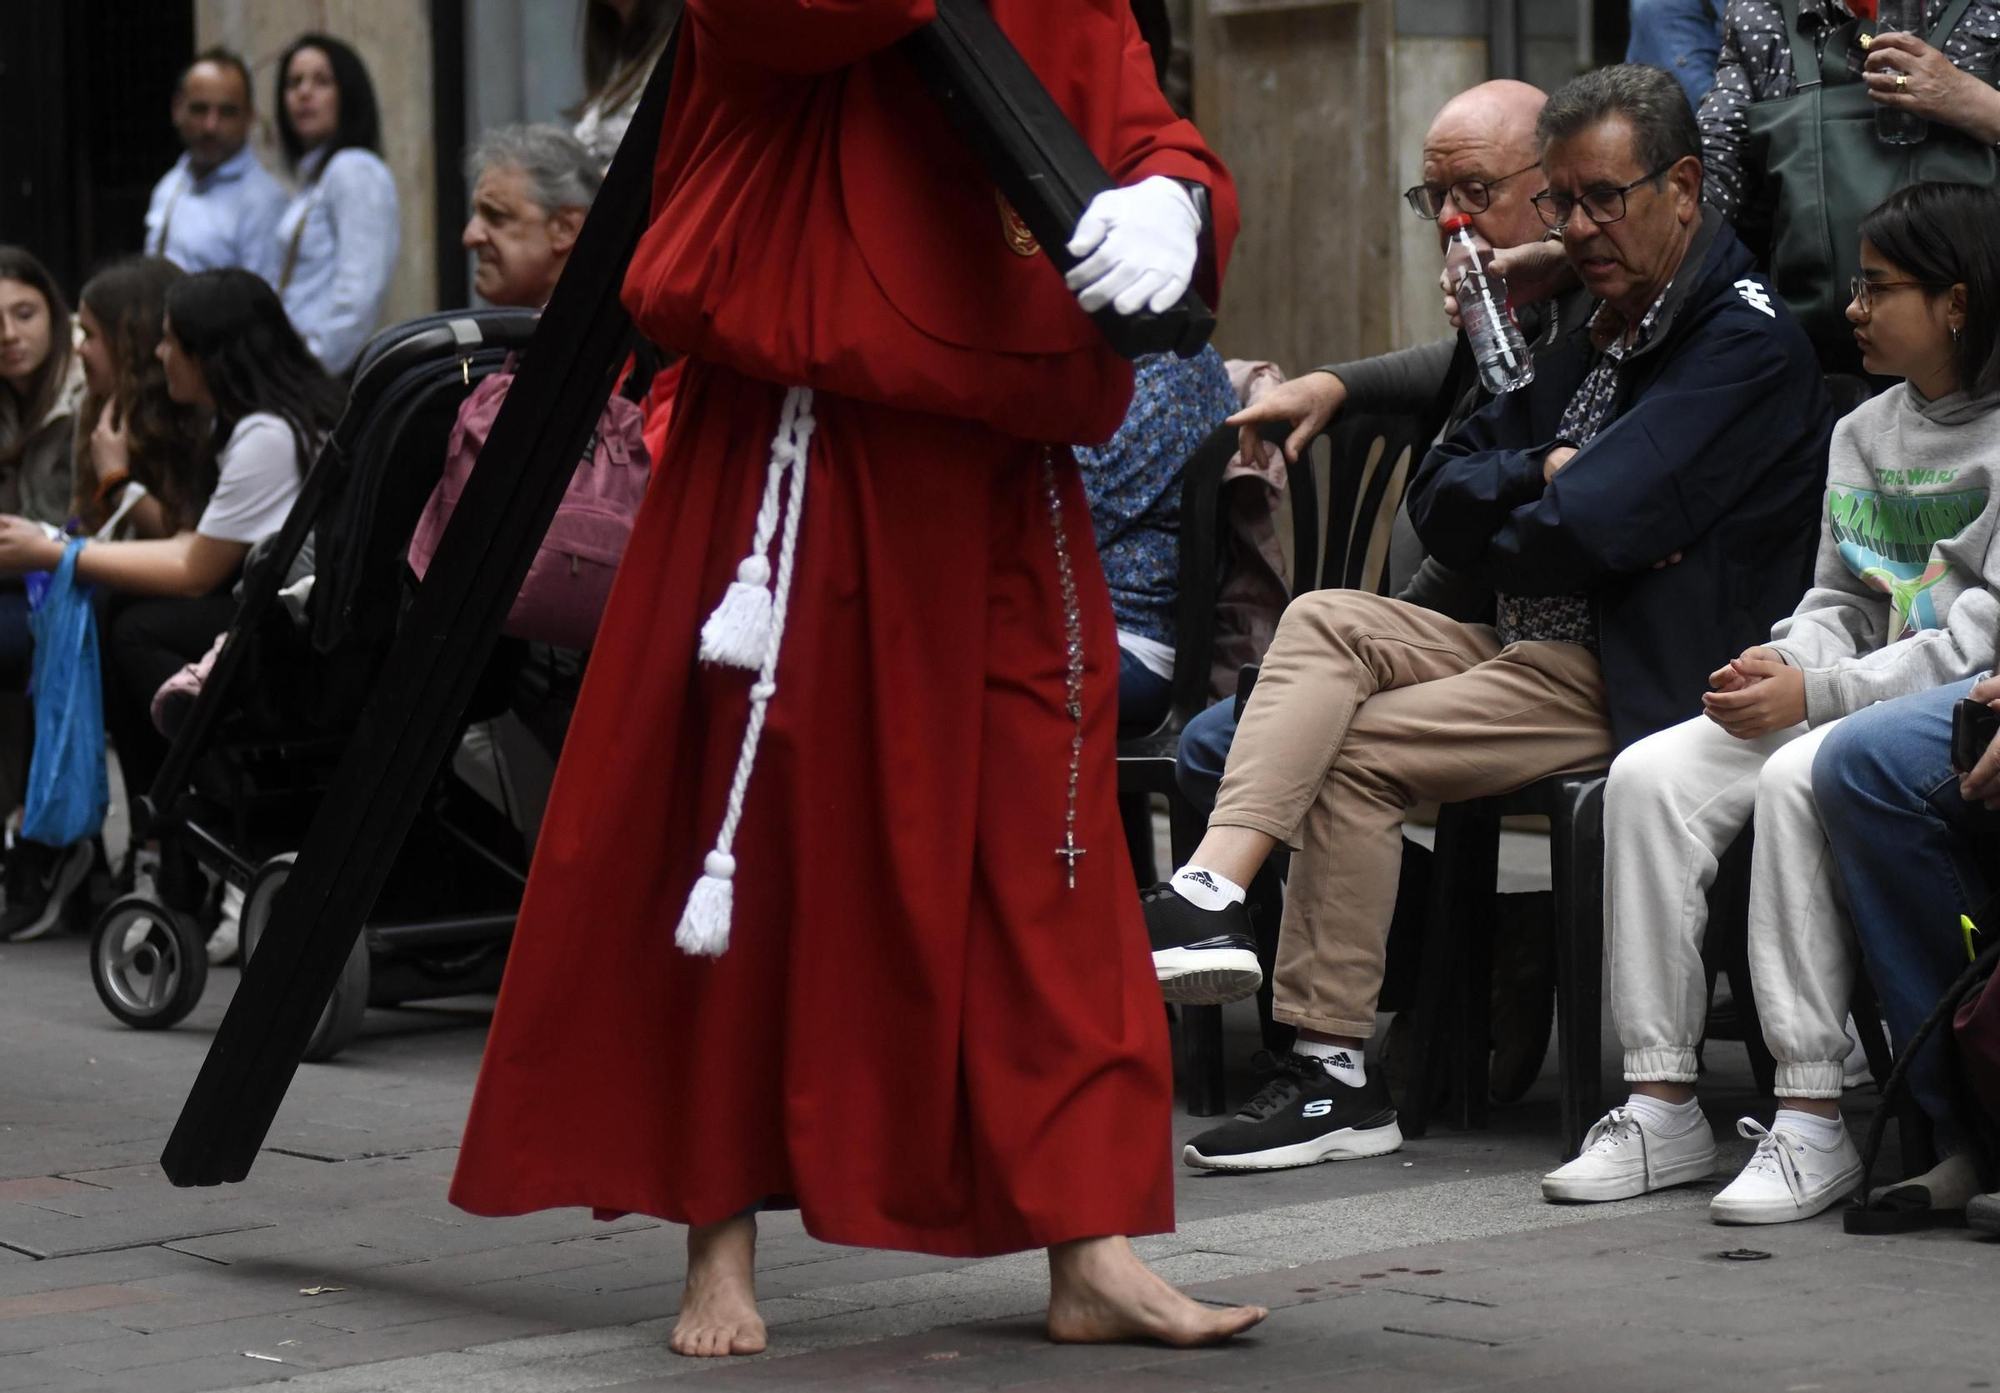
x,y
562,599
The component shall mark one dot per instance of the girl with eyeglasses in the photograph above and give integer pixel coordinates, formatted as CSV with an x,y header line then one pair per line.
x,y
1902,824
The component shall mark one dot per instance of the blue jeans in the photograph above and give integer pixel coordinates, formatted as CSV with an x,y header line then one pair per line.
x,y
1682,36
1889,801
1144,697
1204,750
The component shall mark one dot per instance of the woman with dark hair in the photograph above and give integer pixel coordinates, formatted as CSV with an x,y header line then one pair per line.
x,y
40,386
142,468
1904,826
138,451
1905,603
622,40
337,240
226,347
41,383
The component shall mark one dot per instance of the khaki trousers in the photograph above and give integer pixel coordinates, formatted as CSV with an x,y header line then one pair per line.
x,y
1365,707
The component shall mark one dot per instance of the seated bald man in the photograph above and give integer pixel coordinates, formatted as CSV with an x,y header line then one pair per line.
x,y
1649,501
1481,158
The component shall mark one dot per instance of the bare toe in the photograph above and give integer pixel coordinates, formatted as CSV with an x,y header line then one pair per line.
x,y
1101,1292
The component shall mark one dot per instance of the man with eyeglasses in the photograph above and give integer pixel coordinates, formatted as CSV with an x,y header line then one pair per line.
x,y
1650,501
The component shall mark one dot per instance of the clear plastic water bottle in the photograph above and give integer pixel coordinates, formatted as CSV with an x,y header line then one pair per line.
x,y
1498,346
1894,126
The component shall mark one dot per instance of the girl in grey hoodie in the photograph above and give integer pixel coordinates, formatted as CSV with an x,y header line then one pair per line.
x,y
1903,600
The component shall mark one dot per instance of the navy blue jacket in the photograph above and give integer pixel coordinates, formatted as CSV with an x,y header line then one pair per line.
x,y
1717,451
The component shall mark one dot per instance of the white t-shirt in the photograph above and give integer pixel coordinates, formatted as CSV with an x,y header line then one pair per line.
x,y
258,481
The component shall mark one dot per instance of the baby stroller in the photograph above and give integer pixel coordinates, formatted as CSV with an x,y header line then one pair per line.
x,y
257,748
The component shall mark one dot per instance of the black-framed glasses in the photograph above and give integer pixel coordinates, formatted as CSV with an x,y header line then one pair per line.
x,y
1471,195
1601,206
1865,290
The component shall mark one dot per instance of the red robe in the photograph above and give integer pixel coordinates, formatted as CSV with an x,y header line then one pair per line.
x,y
918,1034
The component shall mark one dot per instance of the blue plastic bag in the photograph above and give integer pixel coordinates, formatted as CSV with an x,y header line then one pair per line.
x,y
67,787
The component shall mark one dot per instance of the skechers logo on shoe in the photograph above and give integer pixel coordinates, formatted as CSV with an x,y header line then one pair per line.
x,y
1319,1107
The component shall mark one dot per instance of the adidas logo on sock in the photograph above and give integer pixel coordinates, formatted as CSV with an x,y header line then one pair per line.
x,y
1203,879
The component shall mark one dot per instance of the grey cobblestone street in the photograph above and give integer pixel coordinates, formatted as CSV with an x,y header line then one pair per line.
x,y
338,1267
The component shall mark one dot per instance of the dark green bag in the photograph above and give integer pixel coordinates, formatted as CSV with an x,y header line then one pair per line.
x,y
1824,170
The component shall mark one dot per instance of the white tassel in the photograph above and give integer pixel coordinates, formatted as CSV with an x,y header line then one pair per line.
x,y
704,927
750,612
739,631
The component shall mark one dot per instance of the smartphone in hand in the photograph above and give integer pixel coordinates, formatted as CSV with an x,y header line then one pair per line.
x,y
1973,726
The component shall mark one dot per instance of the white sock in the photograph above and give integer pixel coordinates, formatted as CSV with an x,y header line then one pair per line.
x,y
1343,1062
1826,1131
1204,889
1659,1115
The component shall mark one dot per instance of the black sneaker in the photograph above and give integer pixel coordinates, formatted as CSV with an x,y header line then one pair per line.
x,y
1203,957
1304,1115
40,881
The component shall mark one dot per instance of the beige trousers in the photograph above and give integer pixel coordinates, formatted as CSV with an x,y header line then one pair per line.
x,y
1365,707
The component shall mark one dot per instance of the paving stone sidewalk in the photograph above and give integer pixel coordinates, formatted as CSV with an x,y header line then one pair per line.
x,y
338,1267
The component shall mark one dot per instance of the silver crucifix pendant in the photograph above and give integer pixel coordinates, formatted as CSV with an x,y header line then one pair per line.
x,y
1069,851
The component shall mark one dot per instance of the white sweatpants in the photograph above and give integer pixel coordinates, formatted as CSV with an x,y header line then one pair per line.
x,y
1674,803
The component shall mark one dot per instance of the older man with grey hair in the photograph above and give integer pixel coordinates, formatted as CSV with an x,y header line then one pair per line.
x,y
532,186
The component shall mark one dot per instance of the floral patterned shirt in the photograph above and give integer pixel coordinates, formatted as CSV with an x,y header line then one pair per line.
x,y
1133,482
1568,618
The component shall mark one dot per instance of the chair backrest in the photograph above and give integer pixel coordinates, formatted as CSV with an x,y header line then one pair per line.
x,y
1370,461
1200,550
1848,391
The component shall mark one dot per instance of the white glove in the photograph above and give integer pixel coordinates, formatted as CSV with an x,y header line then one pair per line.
x,y
1139,247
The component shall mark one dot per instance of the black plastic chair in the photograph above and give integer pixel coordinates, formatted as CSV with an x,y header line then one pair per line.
x,y
1449,1047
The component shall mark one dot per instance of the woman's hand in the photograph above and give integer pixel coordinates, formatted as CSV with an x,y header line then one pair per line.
x,y
1756,694
24,547
110,446
1931,86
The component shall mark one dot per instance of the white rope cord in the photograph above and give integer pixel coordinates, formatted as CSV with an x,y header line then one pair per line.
x,y
704,925
739,630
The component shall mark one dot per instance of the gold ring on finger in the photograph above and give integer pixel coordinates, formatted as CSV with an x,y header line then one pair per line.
x,y
1902,82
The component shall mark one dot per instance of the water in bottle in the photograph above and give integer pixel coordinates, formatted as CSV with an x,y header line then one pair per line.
x,y
1498,346
1892,125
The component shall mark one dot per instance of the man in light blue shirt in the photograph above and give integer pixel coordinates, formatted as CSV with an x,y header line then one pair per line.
x,y
217,206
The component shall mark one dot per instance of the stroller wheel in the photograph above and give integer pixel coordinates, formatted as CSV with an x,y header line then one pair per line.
x,y
340,1022
148,963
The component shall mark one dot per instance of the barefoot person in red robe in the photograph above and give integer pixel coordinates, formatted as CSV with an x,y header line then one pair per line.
x,y
910,992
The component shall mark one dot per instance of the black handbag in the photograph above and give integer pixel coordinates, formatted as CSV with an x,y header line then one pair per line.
x,y
1824,170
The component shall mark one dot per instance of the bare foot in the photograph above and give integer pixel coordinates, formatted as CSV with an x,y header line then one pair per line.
x,y
719,1302
1099,1291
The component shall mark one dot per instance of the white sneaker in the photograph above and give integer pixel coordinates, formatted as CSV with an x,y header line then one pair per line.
x,y
1790,1176
222,942
1622,1157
